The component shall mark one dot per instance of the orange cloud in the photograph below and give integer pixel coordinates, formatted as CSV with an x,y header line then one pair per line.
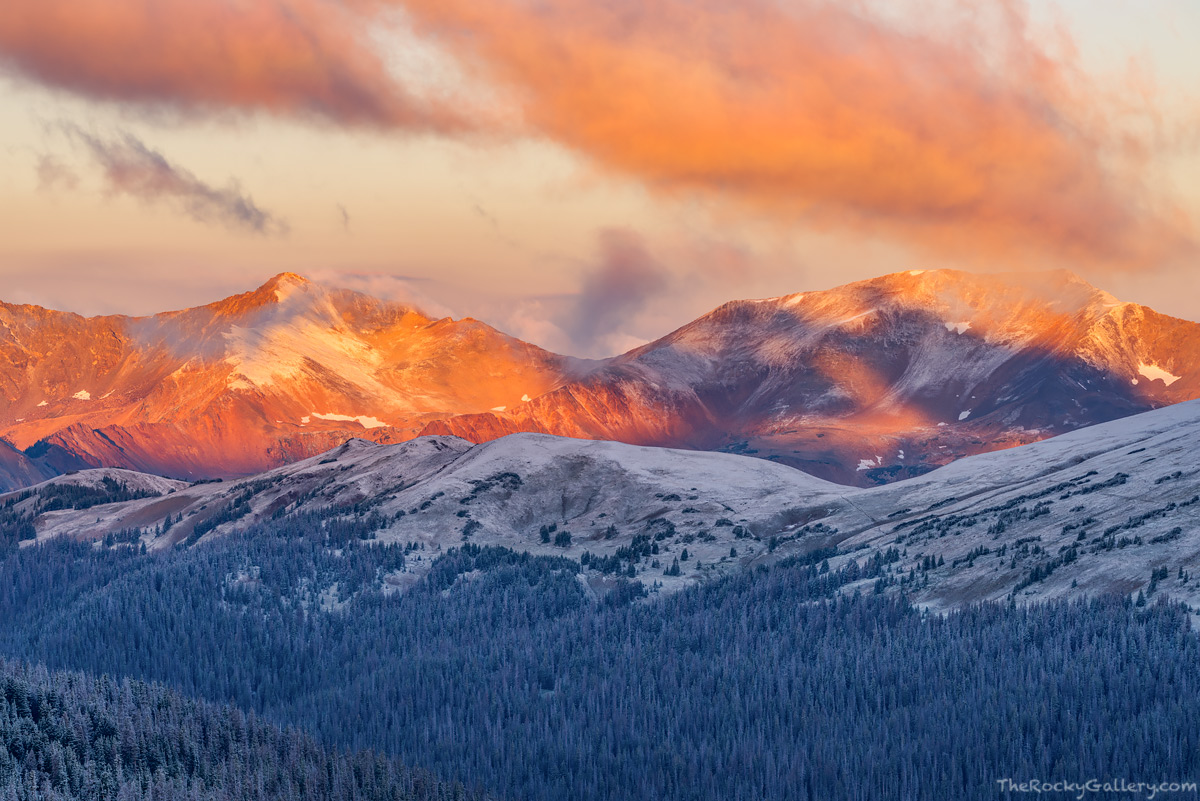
x,y
817,113
971,139
294,57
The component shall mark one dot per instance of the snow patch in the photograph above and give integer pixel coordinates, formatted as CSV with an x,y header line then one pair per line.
x,y
960,328
1153,372
916,272
941,424
901,454
794,300
525,399
867,464
43,403
499,408
305,420
82,394
964,415
362,419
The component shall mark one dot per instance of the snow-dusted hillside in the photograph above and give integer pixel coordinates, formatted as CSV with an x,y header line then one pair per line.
x,y
1096,510
1092,511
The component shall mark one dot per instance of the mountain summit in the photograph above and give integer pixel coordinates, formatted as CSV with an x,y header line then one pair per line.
x,y
880,379
861,384
252,381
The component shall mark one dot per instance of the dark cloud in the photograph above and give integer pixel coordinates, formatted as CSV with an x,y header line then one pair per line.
x,y
623,281
132,168
345,215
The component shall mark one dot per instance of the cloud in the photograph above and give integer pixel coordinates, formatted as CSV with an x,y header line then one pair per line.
x,y
405,290
131,168
53,174
344,215
484,214
622,282
959,131
302,58
820,114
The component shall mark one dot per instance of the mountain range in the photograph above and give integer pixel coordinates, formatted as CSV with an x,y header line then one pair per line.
x,y
863,384
430,540
1096,511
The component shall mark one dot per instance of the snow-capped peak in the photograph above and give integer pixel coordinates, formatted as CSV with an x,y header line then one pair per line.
x,y
284,285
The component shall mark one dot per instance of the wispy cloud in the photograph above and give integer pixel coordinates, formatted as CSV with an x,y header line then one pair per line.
x,y
406,290
54,174
130,167
623,281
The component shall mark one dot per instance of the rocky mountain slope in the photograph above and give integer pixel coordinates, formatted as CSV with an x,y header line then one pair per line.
x,y
864,384
880,379
1109,508
250,382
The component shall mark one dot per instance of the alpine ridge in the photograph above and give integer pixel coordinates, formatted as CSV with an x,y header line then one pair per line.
x,y
878,380
863,384
250,382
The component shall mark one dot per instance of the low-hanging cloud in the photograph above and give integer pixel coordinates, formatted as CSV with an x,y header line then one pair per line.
x,y
130,167
965,136
621,283
406,290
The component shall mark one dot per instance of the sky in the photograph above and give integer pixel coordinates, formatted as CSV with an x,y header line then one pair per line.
x,y
588,176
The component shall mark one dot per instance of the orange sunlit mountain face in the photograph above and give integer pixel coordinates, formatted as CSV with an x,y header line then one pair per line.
x,y
258,379
863,384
